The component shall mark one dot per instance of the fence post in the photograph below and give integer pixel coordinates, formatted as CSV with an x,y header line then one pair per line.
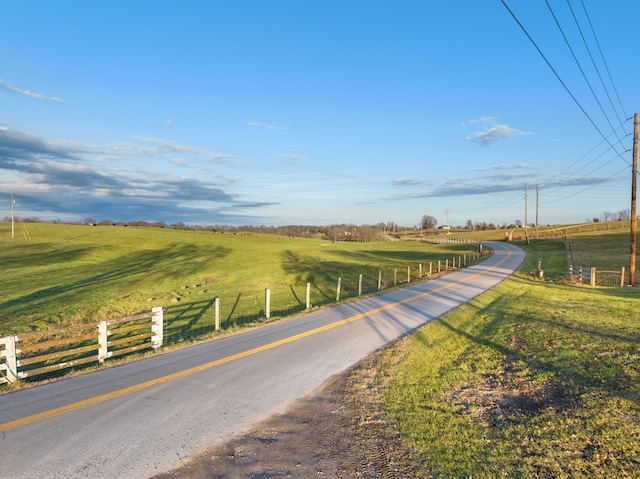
x,y
11,358
465,260
430,267
459,262
103,349
217,313
622,278
308,295
360,285
446,264
439,266
267,303
593,276
420,271
338,289
157,327
395,276
408,274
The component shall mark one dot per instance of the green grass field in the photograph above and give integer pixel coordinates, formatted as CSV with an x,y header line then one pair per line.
x,y
532,379
57,275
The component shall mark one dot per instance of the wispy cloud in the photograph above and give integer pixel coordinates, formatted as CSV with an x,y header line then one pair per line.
x,y
30,94
264,125
408,182
493,132
290,157
503,167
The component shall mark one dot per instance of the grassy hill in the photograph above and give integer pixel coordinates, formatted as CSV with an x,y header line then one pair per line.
x,y
56,275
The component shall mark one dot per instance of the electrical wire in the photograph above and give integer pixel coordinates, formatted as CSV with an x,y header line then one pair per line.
x,y
555,73
584,75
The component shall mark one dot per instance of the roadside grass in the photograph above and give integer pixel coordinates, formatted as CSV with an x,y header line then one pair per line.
x,y
57,275
531,379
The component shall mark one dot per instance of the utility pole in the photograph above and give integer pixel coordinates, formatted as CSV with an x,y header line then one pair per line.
x,y
448,228
537,210
634,218
13,229
526,212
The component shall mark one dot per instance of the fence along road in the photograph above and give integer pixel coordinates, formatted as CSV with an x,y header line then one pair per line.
x,y
149,416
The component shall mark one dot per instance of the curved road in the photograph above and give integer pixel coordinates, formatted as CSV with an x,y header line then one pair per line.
x,y
147,417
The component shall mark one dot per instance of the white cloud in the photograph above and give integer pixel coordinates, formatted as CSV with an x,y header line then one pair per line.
x,y
30,94
493,132
290,157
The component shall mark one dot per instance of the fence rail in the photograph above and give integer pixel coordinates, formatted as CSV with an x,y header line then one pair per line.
x,y
36,354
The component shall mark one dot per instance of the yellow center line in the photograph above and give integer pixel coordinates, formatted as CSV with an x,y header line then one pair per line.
x,y
154,382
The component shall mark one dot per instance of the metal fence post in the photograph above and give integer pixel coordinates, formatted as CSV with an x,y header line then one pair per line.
x,y
360,285
338,289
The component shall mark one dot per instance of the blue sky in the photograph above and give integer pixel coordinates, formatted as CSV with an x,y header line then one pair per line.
x,y
306,112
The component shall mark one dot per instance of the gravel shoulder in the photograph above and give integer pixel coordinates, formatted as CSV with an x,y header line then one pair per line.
x,y
337,431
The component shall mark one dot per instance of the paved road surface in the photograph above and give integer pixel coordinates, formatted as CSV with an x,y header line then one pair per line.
x,y
146,417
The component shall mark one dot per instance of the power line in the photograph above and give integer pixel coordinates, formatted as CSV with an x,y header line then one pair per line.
x,y
584,40
555,72
584,75
602,56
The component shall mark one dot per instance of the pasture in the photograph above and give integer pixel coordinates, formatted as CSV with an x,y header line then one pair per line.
x,y
54,275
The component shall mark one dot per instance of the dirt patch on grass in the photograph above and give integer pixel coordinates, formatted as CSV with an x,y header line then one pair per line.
x,y
335,432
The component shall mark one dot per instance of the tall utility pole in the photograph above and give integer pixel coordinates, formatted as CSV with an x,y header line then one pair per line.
x,y
536,210
448,228
634,217
526,212
13,229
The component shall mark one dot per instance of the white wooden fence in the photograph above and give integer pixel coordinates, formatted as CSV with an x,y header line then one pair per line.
x,y
42,353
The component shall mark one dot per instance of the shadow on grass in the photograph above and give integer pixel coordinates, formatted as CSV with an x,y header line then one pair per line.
x,y
129,269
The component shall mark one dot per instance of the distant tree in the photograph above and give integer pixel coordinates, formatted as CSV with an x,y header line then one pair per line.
x,y
469,225
607,216
428,222
518,223
624,215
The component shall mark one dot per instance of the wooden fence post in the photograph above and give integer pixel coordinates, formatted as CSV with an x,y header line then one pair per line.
x,y
420,271
408,274
592,281
446,264
379,280
103,346
622,278
157,327
308,295
360,284
439,266
10,358
395,276
267,303
430,267
338,289
217,313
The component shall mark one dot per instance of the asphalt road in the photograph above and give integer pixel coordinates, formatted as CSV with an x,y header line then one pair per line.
x,y
149,416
